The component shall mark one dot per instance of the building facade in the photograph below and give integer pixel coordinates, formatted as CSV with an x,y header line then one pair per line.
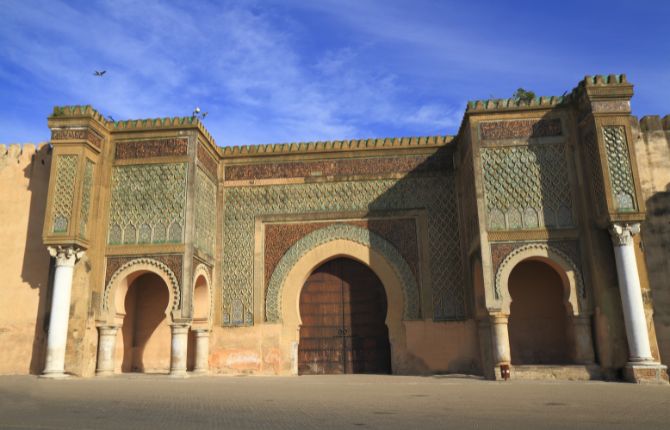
x,y
532,240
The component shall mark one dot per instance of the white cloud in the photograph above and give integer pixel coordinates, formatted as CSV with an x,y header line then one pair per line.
x,y
246,66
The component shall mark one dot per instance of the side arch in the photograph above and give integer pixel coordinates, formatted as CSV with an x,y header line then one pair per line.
x,y
133,269
349,233
202,270
560,261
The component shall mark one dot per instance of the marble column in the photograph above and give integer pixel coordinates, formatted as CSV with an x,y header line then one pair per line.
x,y
179,349
106,349
66,257
500,339
201,350
584,353
631,293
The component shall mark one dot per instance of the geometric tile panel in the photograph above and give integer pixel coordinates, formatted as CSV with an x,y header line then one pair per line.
x,y
87,188
527,187
148,204
434,193
205,212
63,199
618,164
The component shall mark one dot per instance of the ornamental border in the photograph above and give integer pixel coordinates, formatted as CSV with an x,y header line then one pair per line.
x,y
341,232
176,288
549,249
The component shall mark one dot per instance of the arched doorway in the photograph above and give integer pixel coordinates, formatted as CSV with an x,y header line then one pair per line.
x,y
198,336
538,321
343,310
145,330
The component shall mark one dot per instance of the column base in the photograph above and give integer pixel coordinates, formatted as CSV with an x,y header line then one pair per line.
x,y
55,375
646,373
104,373
178,374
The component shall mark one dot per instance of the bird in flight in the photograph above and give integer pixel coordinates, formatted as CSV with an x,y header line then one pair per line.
x,y
99,72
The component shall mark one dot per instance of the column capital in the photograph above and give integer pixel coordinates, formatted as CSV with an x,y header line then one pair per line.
x,y
622,234
66,255
498,318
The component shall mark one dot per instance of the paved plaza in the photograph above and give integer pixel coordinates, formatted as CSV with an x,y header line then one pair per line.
x,y
327,402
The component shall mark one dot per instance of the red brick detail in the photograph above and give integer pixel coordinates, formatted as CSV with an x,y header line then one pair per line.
x,y
69,134
207,161
498,130
151,148
341,167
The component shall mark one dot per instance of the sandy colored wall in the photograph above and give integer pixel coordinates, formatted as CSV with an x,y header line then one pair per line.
x,y
652,150
431,347
24,177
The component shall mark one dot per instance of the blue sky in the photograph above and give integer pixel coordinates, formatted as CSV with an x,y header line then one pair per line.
x,y
302,70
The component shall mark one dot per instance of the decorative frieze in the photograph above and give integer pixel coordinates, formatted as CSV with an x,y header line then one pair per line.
x,y
77,134
63,193
527,187
619,167
520,129
171,147
148,204
341,167
622,106
208,162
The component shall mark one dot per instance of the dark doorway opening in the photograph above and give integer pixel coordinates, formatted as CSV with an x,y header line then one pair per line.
x,y
343,309
538,323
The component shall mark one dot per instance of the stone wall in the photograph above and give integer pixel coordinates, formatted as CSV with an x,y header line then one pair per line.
x,y
25,262
652,150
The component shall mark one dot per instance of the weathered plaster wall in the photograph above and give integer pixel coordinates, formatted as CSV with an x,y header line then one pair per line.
x,y
652,149
24,261
430,347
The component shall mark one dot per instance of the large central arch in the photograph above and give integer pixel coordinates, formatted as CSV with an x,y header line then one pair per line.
x,y
370,241
338,241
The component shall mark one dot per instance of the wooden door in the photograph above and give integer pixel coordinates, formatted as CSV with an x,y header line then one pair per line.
x,y
343,309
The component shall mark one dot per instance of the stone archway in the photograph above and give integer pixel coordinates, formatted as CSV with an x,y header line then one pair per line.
x,y
198,338
343,310
116,304
574,300
282,301
144,344
371,243
538,319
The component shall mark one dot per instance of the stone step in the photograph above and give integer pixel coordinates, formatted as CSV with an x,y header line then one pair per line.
x,y
556,372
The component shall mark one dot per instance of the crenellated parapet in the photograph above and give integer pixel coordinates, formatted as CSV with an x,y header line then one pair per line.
x,y
335,146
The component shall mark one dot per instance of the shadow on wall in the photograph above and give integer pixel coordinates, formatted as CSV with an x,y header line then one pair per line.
x,y
656,233
145,339
37,267
433,249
